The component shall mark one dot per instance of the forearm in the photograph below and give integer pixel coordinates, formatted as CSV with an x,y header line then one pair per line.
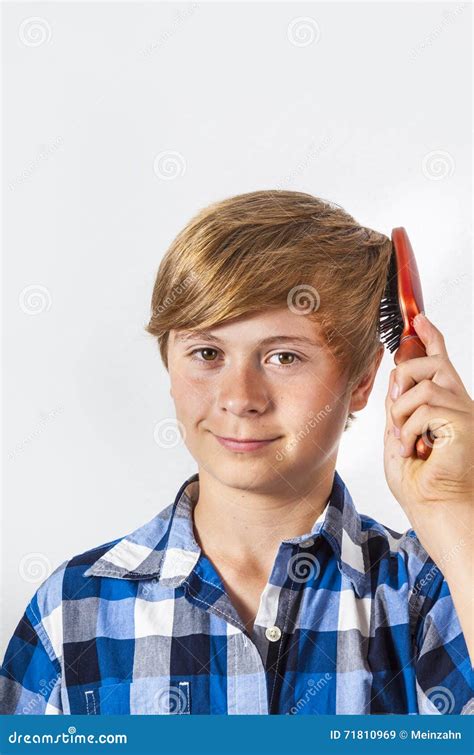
x,y
459,579
455,560
446,532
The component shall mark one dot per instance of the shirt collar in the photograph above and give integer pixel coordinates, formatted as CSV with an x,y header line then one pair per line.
x,y
165,550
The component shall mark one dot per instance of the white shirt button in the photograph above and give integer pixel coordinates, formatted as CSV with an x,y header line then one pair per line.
x,y
307,543
273,633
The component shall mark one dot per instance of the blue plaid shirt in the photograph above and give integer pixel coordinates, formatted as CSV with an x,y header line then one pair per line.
x,y
355,618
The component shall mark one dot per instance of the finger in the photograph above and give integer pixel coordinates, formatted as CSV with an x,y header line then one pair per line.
x,y
438,421
389,436
437,368
425,392
432,338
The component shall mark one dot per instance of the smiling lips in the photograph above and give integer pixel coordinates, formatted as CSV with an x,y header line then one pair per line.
x,y
249,444
246,440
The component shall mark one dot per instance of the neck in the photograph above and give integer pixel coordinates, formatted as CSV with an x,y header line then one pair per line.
x,y
246,526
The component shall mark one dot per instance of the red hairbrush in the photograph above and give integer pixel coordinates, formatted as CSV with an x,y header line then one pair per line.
x,y
401,302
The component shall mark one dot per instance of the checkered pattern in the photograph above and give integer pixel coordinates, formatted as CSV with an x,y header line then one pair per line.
x,y
355,618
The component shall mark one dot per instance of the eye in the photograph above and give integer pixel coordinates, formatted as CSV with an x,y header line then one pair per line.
x,y
287,354
205,349
209,352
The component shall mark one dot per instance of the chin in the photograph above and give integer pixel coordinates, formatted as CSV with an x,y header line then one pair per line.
x,y
242,474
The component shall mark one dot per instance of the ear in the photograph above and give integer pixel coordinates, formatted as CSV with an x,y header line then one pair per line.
x,y
361,392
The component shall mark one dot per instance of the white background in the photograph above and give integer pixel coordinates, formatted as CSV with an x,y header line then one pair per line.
x,y
367,105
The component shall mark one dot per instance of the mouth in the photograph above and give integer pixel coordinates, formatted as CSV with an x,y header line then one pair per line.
x,y
245,444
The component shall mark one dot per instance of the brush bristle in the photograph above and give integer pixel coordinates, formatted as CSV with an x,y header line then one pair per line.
x,y
390,316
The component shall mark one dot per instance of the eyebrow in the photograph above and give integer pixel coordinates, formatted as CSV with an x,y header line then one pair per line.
x,y
208,336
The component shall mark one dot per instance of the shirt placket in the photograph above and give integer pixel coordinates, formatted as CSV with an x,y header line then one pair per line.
x,y
276,619
246,678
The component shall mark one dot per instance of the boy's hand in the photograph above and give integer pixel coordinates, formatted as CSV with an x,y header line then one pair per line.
x,y
437,493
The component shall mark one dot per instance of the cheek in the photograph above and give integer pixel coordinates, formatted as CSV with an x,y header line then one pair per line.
x,y
312,395
316,410
190,395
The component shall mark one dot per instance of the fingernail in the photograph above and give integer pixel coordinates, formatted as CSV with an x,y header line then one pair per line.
x,y
395,391
420,317
402,449
396,431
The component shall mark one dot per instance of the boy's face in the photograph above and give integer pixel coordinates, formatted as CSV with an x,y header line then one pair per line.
x,y
238,387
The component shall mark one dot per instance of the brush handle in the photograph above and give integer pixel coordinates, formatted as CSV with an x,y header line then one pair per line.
x,y
412,347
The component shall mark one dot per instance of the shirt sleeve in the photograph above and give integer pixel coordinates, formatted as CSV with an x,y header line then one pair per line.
x,y
444,675
31,673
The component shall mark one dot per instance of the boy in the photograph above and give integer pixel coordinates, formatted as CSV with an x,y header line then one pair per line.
x,y
261,589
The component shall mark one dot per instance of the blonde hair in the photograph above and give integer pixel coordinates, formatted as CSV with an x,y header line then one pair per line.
x,y
268,249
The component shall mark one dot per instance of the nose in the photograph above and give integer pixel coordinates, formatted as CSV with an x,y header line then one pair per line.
x,y
241,390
